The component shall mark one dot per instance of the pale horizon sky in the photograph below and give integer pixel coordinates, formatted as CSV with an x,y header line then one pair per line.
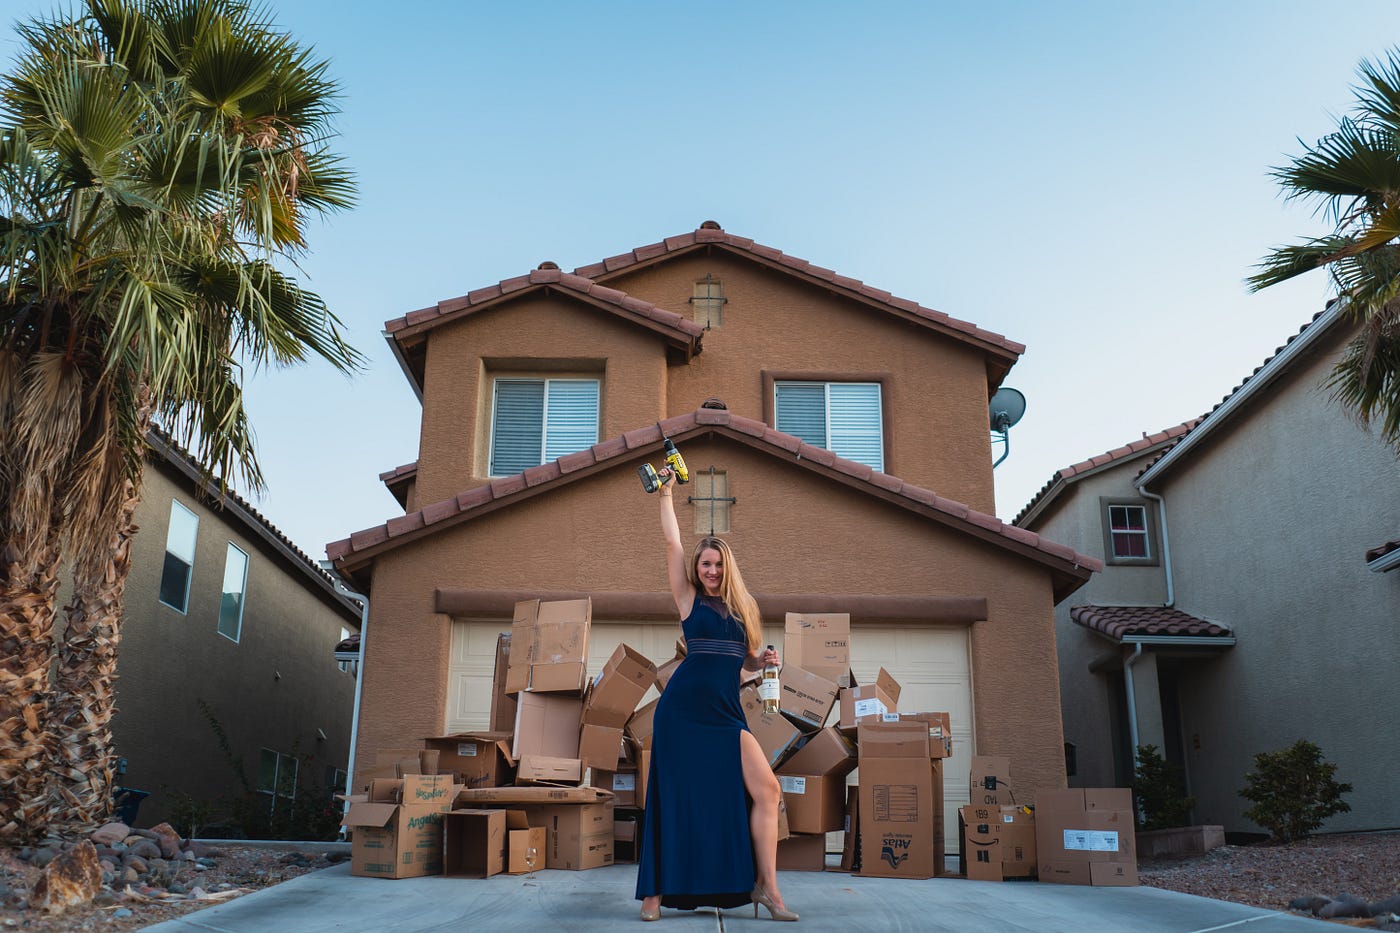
x,y
1089,179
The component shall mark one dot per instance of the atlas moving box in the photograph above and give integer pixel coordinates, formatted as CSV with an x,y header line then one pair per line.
x,y
1087,836
396,830
940,730
664,671
614,694
545,744
819,642
806,698
989,782
549,646
869,702
600,747
998,842
776,734
899,829
476,759
502,703
802,853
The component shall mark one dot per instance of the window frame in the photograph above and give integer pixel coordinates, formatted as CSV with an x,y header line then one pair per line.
x,y
885,380
712,304
497,379
184,609
1151,535
275,793
237,636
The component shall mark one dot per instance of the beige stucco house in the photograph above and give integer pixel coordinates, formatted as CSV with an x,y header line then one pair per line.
x,y
839,440
1245,601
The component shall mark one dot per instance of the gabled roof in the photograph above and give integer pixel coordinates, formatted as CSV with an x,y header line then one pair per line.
x,y
407,334
1069,569
1001,352
1063,477
1122,623
397,481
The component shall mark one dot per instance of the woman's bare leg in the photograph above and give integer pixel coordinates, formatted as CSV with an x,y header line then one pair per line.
x,y
766,792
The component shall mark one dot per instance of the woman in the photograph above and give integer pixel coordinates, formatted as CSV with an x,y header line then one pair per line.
x,y
702,843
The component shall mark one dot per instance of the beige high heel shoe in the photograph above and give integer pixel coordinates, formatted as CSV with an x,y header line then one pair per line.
x,y
774,911
654,914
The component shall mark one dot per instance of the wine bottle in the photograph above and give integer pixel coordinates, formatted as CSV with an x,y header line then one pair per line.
x,y
768,689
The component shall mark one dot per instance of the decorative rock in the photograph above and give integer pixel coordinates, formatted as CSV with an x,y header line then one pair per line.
x,y
199,867
169,840
199,849
198,892
146,849
45,855
1345,905
1311,904
105,864
335,858
1391,905
176,889
139,864
70,880
25,853
121,912
187,856
109,834
131,876
104,899
110,854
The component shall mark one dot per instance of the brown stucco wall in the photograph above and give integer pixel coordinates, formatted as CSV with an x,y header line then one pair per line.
x,y
168,661
793,532
572,338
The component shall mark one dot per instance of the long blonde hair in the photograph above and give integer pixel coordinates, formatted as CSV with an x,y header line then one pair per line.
x,y
732,590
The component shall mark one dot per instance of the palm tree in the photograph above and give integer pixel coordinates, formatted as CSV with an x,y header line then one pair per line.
x,y
1353,175
159,162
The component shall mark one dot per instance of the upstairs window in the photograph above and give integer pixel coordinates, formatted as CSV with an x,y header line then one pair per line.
x,y
1129,532
707,301
843,417
535,421
231,602
179,558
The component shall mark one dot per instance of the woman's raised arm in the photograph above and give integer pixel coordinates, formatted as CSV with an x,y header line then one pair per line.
x,y
681,590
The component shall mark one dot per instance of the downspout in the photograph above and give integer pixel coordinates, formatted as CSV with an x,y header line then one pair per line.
x,y
1132,699
1166,546
363,600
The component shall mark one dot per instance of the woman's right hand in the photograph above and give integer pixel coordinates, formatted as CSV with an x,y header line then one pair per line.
x,y
667,477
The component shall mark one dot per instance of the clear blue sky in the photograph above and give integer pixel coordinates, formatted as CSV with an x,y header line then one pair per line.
x,y
1090,179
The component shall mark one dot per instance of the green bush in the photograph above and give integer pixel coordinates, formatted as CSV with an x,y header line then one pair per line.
x,y
1160,789
1293,790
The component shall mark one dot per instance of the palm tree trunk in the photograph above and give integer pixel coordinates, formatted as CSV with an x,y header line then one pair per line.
x,y
87,670
26,651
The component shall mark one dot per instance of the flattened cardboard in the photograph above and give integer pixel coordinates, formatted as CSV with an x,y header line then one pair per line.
x,y
600,747
898,812
802,853
502,703
989,781
776,734
546,724
618,688
869,702
815,803
496,796
476,759
524,635
807,698
826,752
543,769
821,643
474,843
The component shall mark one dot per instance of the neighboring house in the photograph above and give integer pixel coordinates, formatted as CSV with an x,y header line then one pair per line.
x,y
224,609
839,440
1257,610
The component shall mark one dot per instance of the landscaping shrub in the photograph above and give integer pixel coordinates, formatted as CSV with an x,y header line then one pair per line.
x,y
1293,790
1159,786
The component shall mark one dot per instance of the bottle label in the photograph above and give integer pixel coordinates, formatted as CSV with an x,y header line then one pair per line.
x,y
768,689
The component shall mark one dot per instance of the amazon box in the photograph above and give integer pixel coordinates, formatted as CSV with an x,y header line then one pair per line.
x,y
998,843
502,703
869,702
549,646
1087,836
816,803
476,759
807,698
776,734
802,853
826,752
989,782
474,843
899,828
600,747
619,687
399,839
819,642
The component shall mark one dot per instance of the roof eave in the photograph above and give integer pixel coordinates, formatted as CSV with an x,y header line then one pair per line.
x,y
409,374
1386,562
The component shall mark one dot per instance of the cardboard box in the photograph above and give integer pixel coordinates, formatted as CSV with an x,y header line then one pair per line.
x,y
502,703
999,843
664,671
802,853
388,763
476,759
619,687
989,782
899,828
826,752
869,702
474,843
404,839
524,796
776,734
580,836
820,643
807,698
525,844
1093,827
600,747
546,724
639,725
643,775
940,730
543,769
626,836
850,847
549,646
623,783
815,803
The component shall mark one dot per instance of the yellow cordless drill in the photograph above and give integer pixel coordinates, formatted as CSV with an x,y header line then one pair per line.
x,y
651,480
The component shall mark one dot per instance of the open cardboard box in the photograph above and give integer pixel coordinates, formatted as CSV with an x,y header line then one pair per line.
x,y
477,759
869,702
619,687
549,646
819,642
396,829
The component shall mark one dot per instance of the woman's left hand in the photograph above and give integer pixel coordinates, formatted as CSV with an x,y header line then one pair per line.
x,y
770,656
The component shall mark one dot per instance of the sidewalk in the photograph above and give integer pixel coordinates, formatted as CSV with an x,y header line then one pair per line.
x,y
601,900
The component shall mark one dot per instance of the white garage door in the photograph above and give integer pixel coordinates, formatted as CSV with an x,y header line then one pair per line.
x,y
930,663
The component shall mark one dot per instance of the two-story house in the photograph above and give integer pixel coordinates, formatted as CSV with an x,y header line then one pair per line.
x,y
839,440
229,627
1245,601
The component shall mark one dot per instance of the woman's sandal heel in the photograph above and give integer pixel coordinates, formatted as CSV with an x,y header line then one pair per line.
x,y
774,911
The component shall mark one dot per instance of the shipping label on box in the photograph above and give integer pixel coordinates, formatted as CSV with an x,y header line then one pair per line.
x,y
819,642
867,701
815,803
623,785
476,759
807,698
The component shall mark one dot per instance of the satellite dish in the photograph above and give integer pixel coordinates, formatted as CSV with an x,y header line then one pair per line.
x,y
1006,408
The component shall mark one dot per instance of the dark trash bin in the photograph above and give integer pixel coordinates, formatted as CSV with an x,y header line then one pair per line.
x,y
126,803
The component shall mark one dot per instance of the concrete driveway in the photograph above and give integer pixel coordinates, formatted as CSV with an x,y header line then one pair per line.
x,y
601,900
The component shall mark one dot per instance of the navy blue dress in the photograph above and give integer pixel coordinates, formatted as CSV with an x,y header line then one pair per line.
x,y
696,848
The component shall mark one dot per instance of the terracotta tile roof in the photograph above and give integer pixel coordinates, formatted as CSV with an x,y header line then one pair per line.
x,y
397,481
710,234
1381,550
680,330
1062,477
1119,622
1071,569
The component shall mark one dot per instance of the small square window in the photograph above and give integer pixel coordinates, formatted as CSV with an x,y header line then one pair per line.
x,y
711,502
707,300
1129,532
